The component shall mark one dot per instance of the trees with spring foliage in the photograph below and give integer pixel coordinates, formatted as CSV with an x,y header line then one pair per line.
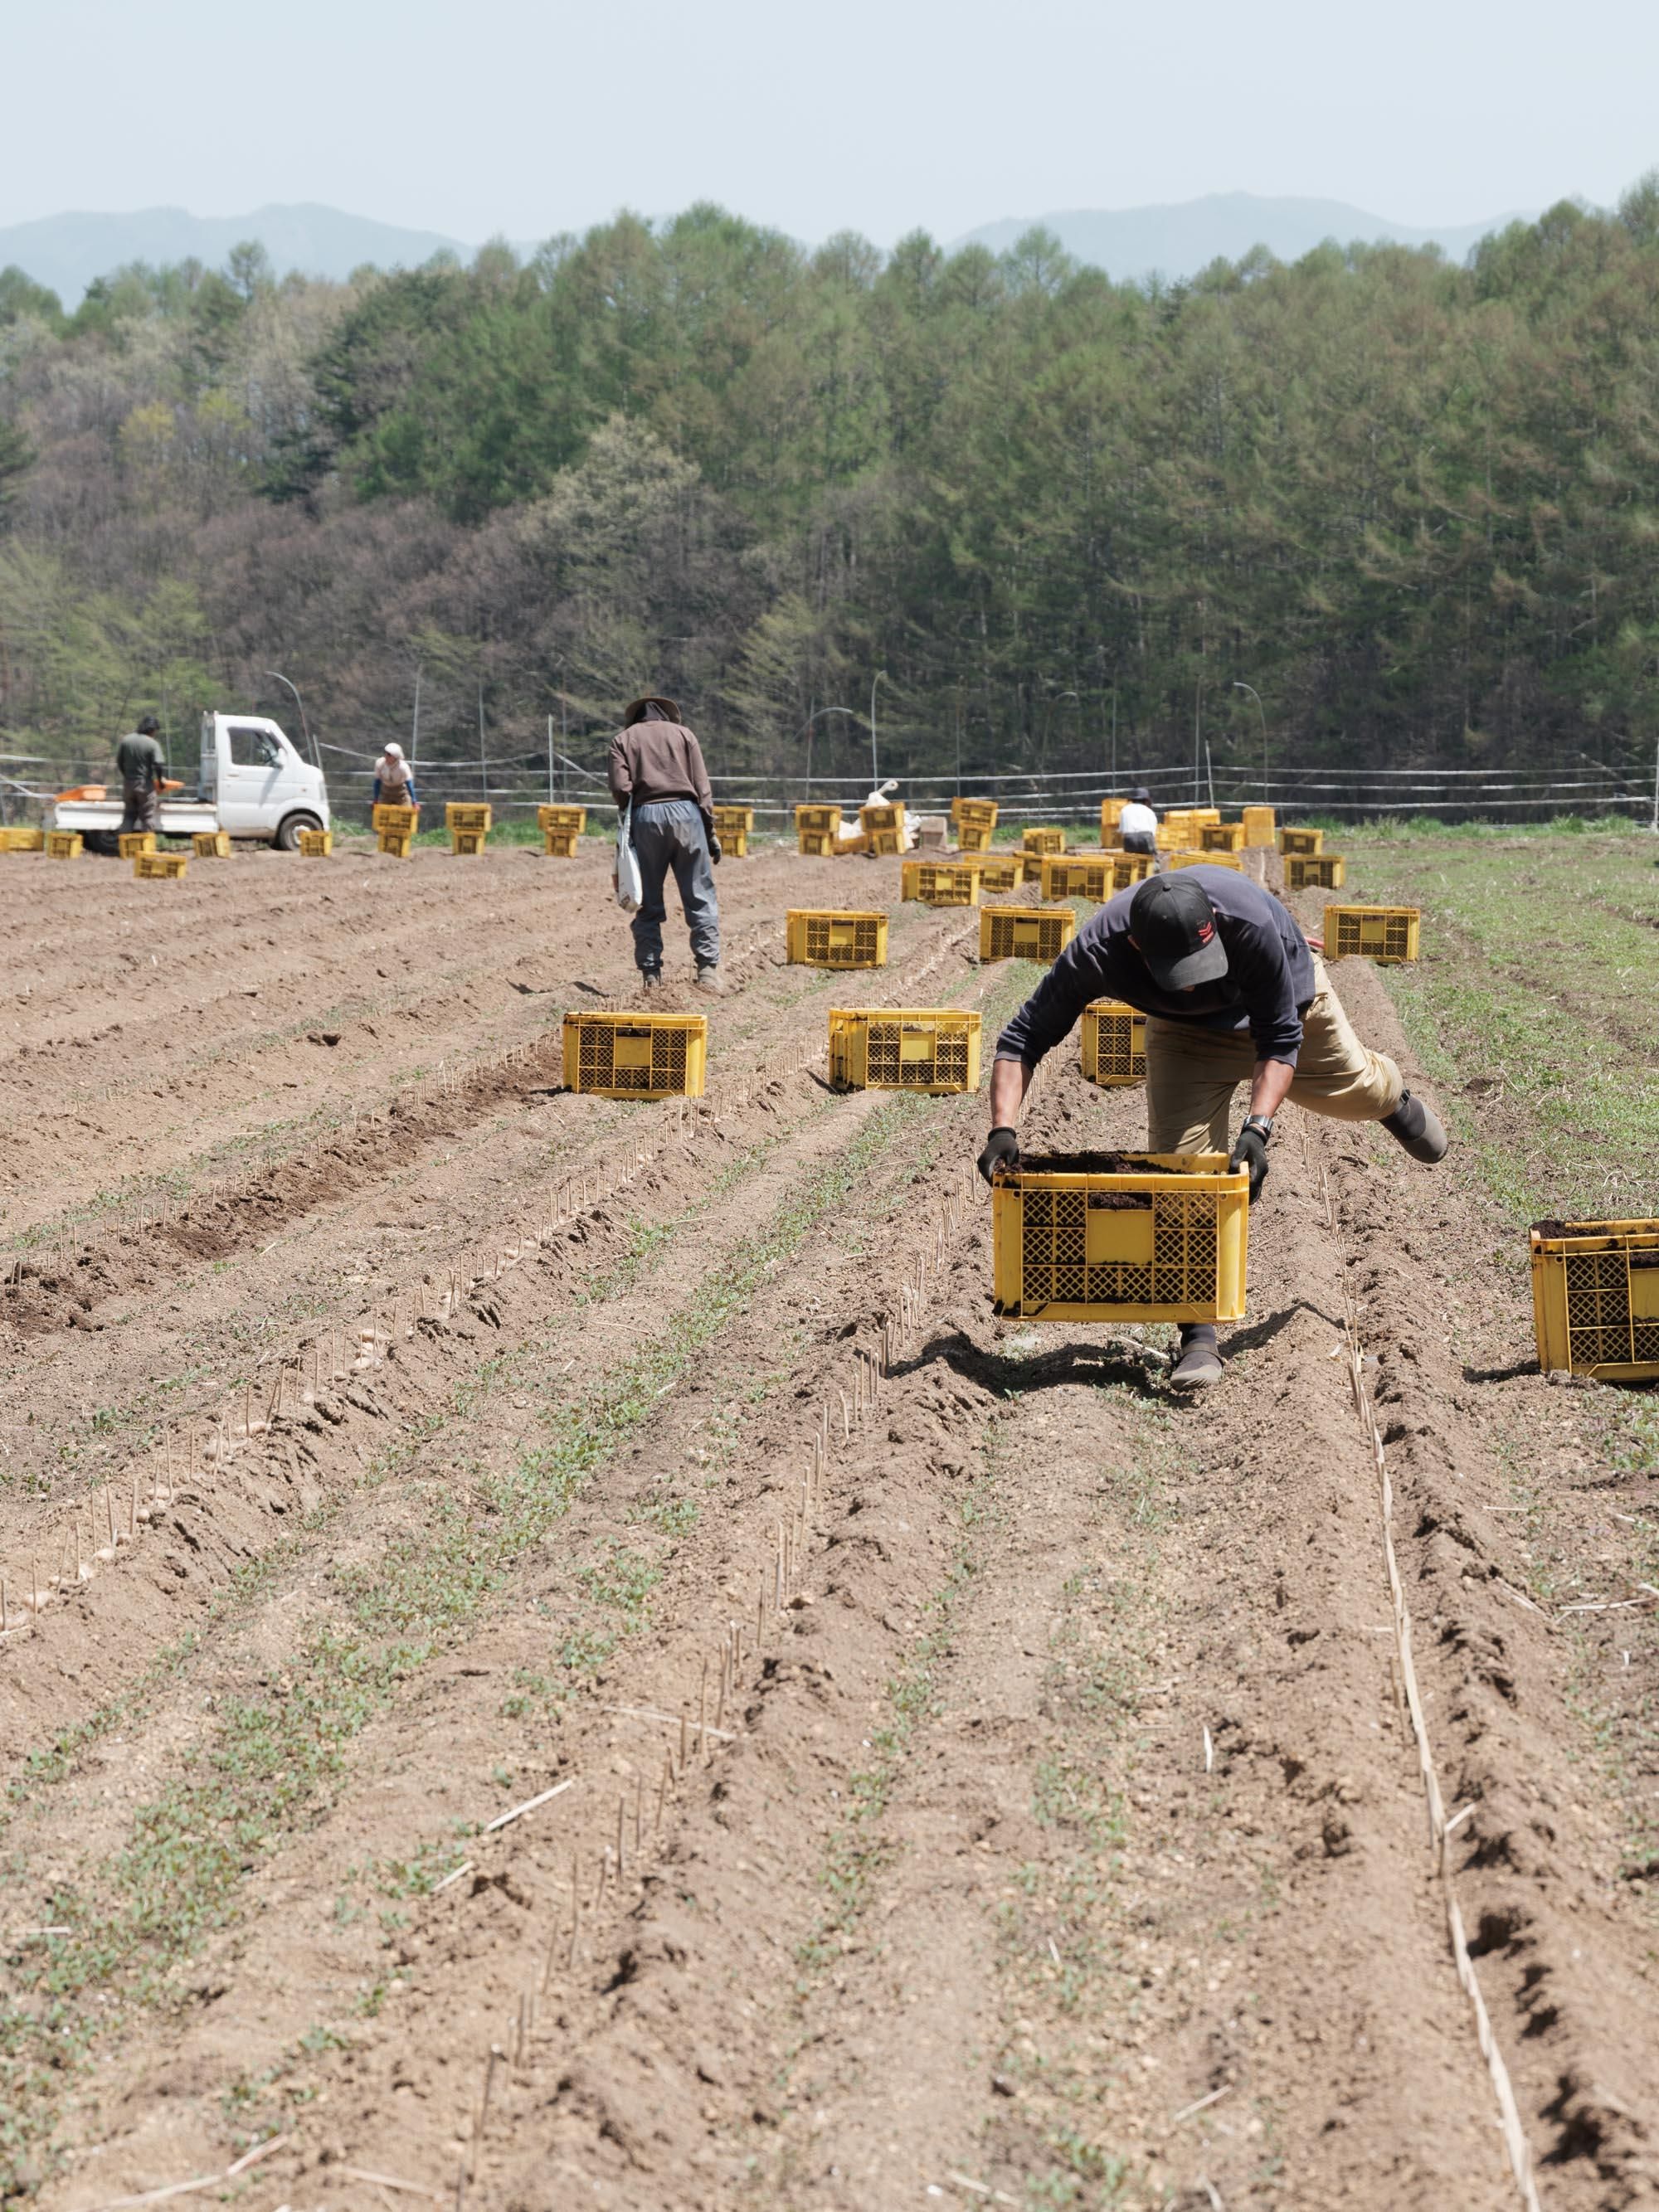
x,y
1409,503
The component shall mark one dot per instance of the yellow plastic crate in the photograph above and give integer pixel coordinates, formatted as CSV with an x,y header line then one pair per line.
x,y
131,843
1025,932
888,815
1201,859
560,844
817,844
1222,837
468,840
1075,878
636,1055
1596,1297
980,813
973,836
1140,1236
316,844
1176,832
1080,875
1031,867
1204,817
943,883
562,820
904,1049
458,816
398,844
215,844
22,841
884,844
817,821
62,844
824,937
734,826
1046,839
1111,813
1259,827
160,867
1004,874
1384,933
1114,1043
1314,872
398,821
1301,841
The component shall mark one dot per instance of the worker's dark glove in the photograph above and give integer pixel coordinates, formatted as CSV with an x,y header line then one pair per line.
x,y
1250,1152
714,849
1001,1150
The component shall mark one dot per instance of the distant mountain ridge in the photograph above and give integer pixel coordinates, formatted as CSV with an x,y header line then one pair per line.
x,y
1179,239
66,252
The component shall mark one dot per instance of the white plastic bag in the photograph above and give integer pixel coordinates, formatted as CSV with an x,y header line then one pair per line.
x,y
631,886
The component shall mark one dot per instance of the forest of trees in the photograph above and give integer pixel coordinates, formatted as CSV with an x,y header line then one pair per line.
x,y
1416,506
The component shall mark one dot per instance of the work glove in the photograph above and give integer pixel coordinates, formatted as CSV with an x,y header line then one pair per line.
x,y
713,850
1250,1153
1001,1150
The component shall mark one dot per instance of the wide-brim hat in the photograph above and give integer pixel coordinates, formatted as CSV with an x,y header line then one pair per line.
x,y
636,711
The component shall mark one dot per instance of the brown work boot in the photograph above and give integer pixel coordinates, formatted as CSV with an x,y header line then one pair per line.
x,y
1417,1127
710,979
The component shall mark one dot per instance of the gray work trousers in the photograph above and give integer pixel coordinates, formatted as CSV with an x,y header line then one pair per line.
x,y
141,807
669,833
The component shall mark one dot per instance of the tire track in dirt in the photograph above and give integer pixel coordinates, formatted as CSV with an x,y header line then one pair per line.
x,y
101,1388
897,983
1561,1950
1148,1930
1265,1925
434,1005
44,1534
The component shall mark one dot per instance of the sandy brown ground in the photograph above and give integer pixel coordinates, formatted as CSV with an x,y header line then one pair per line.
x,y
1062,1841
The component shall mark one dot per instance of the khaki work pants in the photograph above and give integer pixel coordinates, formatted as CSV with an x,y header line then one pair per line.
x,y
1192,1074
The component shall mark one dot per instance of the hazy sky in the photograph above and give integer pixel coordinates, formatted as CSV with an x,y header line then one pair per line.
x,y
879,115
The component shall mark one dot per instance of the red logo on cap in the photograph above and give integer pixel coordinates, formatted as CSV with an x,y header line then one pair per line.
x,y
1206,932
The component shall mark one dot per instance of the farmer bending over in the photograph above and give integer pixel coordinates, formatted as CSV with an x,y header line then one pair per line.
x,y
1137,826
1231,992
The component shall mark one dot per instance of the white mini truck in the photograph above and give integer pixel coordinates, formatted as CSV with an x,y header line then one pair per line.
x,y
252,783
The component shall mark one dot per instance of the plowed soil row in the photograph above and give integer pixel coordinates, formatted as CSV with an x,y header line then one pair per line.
x,y
1060,1840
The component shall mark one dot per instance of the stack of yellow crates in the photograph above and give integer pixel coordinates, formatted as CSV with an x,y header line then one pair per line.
x,y
560,827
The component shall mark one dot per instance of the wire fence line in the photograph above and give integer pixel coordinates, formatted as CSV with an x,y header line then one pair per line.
x,y
519,783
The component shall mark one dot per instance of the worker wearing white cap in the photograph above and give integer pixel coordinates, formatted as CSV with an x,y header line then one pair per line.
x,y
394,779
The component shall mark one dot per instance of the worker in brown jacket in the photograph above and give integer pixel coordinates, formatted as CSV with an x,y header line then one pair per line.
x,y
659,781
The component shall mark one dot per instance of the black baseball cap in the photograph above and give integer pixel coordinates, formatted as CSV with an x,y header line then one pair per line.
x,y
1173,925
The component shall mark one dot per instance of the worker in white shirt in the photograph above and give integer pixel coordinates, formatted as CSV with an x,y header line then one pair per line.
x,y
1137,825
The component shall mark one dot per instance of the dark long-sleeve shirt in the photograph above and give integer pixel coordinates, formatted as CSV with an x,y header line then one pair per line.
x,y
141,760
659,760
1267,987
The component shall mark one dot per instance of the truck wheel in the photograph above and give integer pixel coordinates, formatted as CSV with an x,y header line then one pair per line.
x,y
287,839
